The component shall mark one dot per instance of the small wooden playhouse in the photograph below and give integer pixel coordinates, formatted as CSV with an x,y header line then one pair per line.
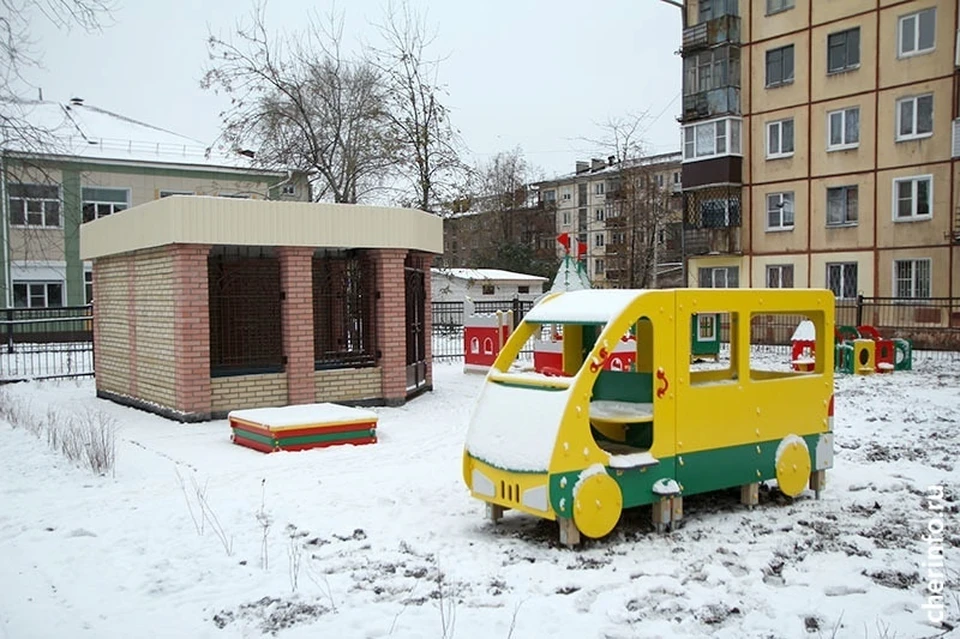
x,y
206,305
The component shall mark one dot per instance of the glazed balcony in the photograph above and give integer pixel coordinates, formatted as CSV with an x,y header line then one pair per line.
x,y
722,30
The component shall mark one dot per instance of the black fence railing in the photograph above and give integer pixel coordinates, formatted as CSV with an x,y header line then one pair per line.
x,y
46,343
931,324
448,320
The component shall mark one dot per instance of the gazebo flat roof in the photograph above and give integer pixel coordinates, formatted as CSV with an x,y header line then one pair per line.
x,y
242,222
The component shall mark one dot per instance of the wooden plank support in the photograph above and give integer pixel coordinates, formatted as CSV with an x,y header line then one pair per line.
x,y
569,535
818,481
495,512
750,494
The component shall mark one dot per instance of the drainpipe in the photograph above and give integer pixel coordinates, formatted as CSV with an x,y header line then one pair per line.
x,y
281,183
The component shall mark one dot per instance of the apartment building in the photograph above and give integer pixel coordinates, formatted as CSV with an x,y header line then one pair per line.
x,y
97,163
627,214
820,145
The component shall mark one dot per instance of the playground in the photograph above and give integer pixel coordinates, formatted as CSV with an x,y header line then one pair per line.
x,y
384,540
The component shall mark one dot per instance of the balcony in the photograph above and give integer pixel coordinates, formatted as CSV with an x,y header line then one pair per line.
x,y
711,103
722,30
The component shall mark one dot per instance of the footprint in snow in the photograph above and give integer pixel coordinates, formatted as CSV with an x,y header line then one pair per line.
x,y
81,532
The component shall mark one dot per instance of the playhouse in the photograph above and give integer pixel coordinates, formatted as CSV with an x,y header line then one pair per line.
x,y
207,305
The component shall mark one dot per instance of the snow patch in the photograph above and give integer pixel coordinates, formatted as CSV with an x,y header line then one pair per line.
x,y
587,473
806,331
286,416
666,486
595,306
786,442
633,460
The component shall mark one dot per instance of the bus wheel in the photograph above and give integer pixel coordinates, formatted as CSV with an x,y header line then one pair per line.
x,y
793,465
597,505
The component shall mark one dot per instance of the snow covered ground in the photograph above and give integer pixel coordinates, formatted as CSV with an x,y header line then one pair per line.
x,y
390,544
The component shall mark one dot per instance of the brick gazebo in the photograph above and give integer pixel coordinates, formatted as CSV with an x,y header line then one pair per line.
x,y
204,305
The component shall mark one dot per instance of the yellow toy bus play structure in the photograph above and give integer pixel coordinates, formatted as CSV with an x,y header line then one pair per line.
x,y
580,446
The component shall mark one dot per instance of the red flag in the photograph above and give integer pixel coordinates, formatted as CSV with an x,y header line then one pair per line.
x,y
581,249
564,238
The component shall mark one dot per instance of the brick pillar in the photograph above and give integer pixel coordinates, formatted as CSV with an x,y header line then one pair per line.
x,y
296,281
426,259
192,328
97,328
391,323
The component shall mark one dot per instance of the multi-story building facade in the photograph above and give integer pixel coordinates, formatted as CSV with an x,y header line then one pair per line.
x,y
628,216
95,164
821,144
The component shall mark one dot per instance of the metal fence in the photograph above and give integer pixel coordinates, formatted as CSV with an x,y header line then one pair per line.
x,y
46,343
448,319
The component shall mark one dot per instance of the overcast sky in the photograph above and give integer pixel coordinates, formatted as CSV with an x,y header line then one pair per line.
x,y
539,74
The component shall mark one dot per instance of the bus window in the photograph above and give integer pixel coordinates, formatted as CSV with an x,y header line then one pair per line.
x,y
781,345
712,359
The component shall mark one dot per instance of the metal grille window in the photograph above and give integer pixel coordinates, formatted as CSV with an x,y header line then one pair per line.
x,y
780,276
717,214
245,328
912,197
344,309
842,279
911,278
842,204
915,117
916,32
844,128
780,66
100,202
843,50
780,213
37,294
719,277
34,205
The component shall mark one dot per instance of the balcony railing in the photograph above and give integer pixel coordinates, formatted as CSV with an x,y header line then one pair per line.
x,y
725,29
711,103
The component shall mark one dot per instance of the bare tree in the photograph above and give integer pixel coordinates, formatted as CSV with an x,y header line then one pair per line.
x,y
299,102
427,144
18,55
638,206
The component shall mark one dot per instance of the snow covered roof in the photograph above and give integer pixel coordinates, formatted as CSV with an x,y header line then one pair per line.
x,y
607,168
81,130
486,274
594,306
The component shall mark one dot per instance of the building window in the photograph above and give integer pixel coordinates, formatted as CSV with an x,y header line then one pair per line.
x,y
34,205
843,50
164,193
523,290
916,32
676,177
37,294
912,198
710,139
842,206
780,276
88,286
659,180
915,117
780,138
712,69
598,239
288,190
776,6
599,215
598,188
844,129
598,267
780,211
710,9
719,277
488,289
566,218
911,278
566,194
780,66
842,279
100,202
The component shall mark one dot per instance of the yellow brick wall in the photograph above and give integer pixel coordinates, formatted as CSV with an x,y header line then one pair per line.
x,y
349,384
248,391
151,292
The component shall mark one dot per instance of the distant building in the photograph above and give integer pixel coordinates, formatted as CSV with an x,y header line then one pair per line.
x,y
485,232
454,284
97,163
629,216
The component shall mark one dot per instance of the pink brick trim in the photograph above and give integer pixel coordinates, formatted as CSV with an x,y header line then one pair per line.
x,y
191,327
391,322
296,281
